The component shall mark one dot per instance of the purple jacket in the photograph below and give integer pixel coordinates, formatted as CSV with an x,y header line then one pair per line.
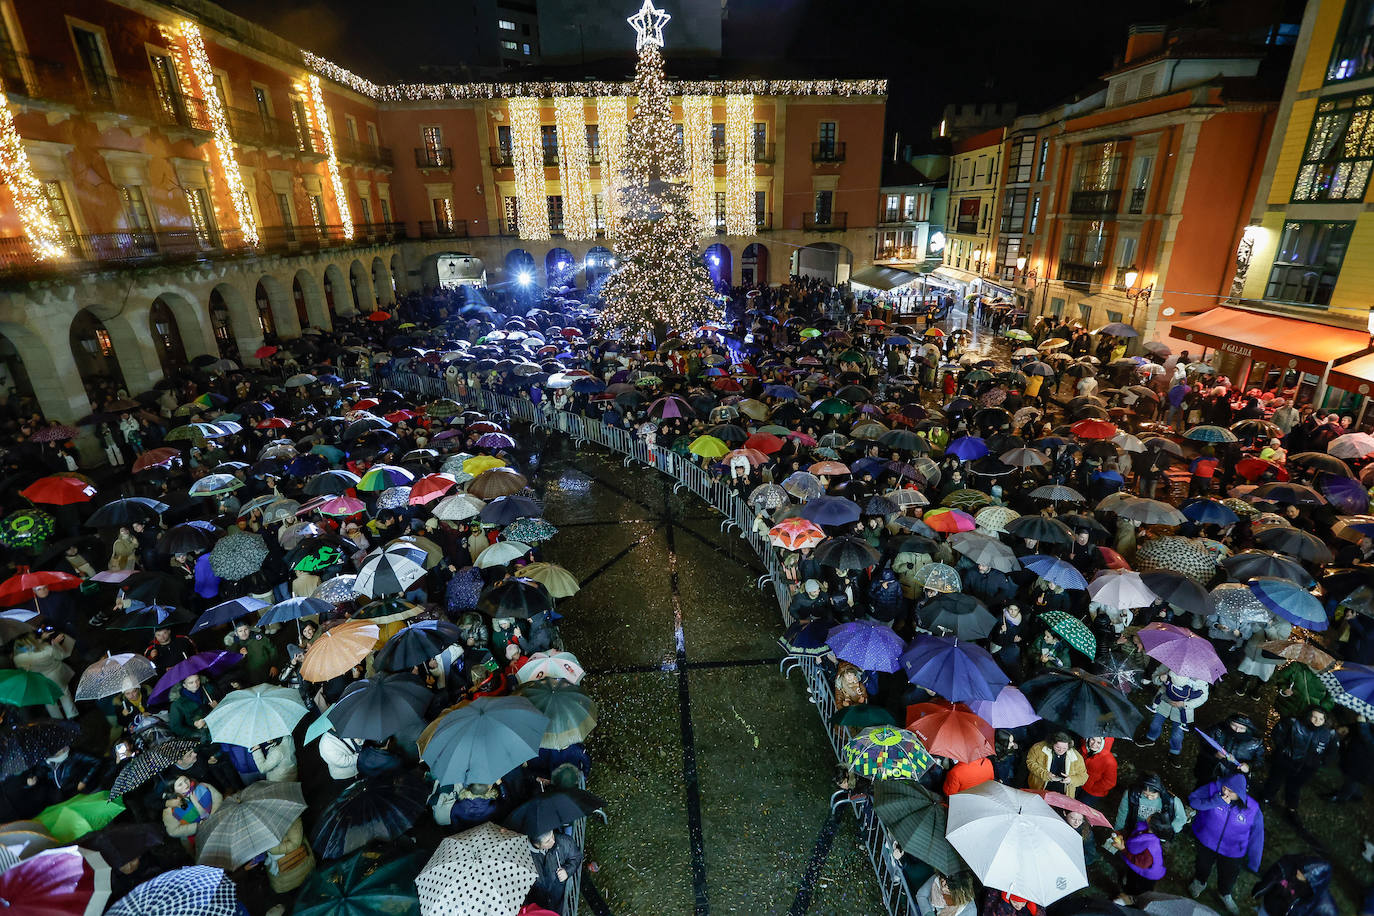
x,y
1230,830
1142,840
207,583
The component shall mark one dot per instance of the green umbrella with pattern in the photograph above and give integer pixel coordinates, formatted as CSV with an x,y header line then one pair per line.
x,y
1072,630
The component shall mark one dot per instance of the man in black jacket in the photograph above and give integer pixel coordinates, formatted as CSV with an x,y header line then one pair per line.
x,y
1296,885
1242,749
1300,744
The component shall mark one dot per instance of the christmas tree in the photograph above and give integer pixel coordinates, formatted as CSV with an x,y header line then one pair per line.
x,y
661,284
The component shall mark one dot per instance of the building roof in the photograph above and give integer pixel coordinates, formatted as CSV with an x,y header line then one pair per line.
x,y
899,174
987,138
1201,47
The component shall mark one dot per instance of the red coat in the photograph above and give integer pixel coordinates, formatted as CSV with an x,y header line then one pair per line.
x,y
963,776
1101,769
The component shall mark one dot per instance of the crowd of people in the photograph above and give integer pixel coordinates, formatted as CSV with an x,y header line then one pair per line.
x,y
1016,590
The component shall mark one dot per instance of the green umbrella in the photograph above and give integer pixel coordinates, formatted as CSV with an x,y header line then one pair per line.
x,y
444,408
79,815
1018,334
832,406
24,688
861,715
916,818
1072,630
364,884
27,529
572,714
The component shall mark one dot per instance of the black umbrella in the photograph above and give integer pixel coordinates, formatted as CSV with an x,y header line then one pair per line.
x,y
516,597
188,537
505,509
552,810
1083,703
1180,591
1039,528
126,511
1080,522
141,616
120,844
1249,564
847,552
1295,543
957,614
330,483
27,745
378,808
378,707
417,644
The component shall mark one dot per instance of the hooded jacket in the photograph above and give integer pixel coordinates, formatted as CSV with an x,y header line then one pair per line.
x,y
1231,830
1144,853
1101,768
966,775
1284,895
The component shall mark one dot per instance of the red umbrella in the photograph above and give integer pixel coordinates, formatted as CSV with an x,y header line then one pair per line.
x,y
951,730
366,404
69,881
1064,803
275,423
795,533
58,491
809,442
1094,429
1113,559
396,416
752,455
764,442
19,587
725,383
1253,468
379,316
948,521
264,352
156,458
430,487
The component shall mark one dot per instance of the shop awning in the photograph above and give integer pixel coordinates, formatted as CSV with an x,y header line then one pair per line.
x,y
884,278
1356,375
1273,339
953,276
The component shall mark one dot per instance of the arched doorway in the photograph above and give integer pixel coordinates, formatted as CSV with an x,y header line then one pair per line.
x,y
361,285
266,320
600,262
166,334
94,353
520,268
336,297
718,264
825,261
456,269
398,274
311,300
559,267
753,266
14,375
298,297
222,325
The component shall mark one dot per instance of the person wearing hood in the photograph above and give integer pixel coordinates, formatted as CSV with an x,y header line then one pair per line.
x,y
1141,863
1100,763
1296,885
1229,830
1242,749
885,598
1147,797
808,604
1301,745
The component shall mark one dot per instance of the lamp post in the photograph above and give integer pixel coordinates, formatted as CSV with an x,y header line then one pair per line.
x,y
1136,294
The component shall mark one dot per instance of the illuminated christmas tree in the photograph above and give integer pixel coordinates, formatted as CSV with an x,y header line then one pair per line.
x,y
660,284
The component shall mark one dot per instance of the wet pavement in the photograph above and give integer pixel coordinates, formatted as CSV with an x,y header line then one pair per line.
x,y
715,769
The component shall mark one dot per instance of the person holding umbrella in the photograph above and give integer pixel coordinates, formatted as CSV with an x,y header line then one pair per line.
x,y
1177,701
1229,830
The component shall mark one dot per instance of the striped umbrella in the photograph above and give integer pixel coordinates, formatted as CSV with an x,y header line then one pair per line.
x,y
1290,601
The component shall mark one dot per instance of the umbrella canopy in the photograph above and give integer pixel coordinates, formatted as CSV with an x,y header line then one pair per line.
x,y
1179,591
951,730
256,714
125,512
956,670
516,597
226,611
830,510
378,707
1181,650
485,740
364,884
556,580
885,752
417,644
867,645
502,553
79,815
549,811
27,529
27,688
916,819
114,674
338,649
68,881
1054,570
248,823
1010,709
207,663
1072,630
846,552
149,764
485,871
795,534
1291,602
551,664
1351,685
238,555
376,809
1015,842
1120,588
983,550
197,890
571,713
1083,703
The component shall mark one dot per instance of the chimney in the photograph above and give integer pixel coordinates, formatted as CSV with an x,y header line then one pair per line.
x,y
1142,41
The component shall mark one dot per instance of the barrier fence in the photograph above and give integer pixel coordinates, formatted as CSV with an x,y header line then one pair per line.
x,y
736,513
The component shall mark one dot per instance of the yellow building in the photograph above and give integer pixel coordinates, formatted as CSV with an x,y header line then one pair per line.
x,y
975,178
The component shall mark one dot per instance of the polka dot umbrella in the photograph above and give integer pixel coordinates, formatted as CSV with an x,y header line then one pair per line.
x,y
197,890
485,871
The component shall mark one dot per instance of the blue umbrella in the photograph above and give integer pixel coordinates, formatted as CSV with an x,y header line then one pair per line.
x,y
874,466
1346,494
1209,512
1290,601
307,465
831,510
967,448
1054,570
898,341
483,741
294,609
505,509
781,391
588,385
228,610
1356,680
806,639
958,671
870,646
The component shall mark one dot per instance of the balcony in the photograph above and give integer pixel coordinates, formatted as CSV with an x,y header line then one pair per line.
x,y
455,230
351,150
436,158
897,253
824,222
1080,276
1137,204
765,152
966,227
1095,203
501,157
718,154
34,77
827,152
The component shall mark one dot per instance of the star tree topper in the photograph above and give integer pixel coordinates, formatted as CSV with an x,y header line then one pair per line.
x,y
648,25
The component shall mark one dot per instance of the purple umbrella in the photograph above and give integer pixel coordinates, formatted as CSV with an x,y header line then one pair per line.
x,y
1182,650
496,440
1011,709
1347,494
669,407
207,663
958,671
870,646
967,448
831,510
1055,570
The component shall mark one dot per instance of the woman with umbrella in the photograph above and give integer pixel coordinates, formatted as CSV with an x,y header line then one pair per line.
x,y
45,654
187,804
1177,702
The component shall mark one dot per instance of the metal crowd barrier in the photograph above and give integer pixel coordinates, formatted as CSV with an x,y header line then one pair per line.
x,y
736,513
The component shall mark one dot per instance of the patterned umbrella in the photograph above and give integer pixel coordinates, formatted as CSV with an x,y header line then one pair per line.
x,y
1181,650
113,675
1074,631
248,823
1210,434
551,664
23,746
485,871
256,714
870,646
768,496
885,752
387,573
530,530
994,519
1057,494
916,819
55,433
149,764
337,590
376,809
215,485
393,498
457,508
197,890
1176,554
941,577
338,649
384,476
27,529
238,555
966,499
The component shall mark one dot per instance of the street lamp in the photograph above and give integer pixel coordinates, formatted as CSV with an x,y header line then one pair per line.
x,y
1136,294
1021,263
1371,325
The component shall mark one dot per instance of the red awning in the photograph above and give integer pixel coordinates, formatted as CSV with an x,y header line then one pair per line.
x,y
1356,375
1279,341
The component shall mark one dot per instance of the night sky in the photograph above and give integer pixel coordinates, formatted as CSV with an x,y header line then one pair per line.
x,y
1033,53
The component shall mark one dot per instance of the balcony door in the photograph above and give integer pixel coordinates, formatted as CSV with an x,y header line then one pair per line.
x,y
91,55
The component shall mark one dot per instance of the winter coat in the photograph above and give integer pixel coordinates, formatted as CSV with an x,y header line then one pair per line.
x,y
259,654
1284,895
1101,769
993,587
278,762
123,552
1300,742
885,596
1129,810
290,862
185,710
1191,693
472,809
1144,853
48,660
340,755
1039,759
964,776
548,889
180,823
1234,831
206,580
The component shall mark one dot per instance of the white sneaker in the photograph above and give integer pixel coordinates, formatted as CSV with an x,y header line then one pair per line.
x,y
1196,888
1230,903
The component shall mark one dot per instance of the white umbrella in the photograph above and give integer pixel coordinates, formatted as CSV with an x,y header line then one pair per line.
x,y
458,508
553,663
388,573
1121,589
485,871
1015,842
1352,445
501,553
249,717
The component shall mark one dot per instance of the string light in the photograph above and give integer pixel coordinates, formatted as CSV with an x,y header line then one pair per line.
x,y
696,150
570,116
740,215
527,149
660,284
318,117
16,173
612,121
202,86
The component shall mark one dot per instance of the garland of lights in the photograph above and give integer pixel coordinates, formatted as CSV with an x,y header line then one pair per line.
x,y
740,216
527,149
612,121
318,116
16,172
696,150
202,86
570,116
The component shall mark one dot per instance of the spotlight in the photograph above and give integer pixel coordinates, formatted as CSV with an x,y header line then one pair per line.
x,y
523,278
